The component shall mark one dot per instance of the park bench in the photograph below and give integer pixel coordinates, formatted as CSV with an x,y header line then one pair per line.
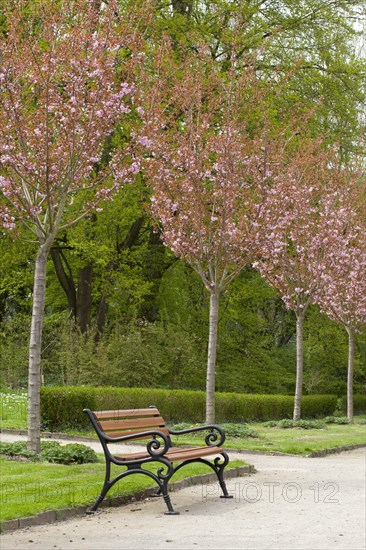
x,y
128,426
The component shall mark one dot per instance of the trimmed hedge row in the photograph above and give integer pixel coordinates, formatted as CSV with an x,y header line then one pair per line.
x,y
62,407
359,404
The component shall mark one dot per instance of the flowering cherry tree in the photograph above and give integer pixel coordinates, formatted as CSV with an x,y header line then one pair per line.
x,y
343,296
207,174
303,216
62,95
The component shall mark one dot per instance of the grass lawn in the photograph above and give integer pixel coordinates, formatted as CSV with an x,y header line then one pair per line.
x,y
13,410
29,488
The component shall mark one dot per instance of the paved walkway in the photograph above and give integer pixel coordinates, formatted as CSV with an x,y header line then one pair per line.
x,y
291,503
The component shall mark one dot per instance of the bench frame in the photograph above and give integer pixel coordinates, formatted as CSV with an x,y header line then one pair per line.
x,y
159,450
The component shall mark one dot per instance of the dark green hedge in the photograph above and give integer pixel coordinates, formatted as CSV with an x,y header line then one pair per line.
x,y
359,404
62,407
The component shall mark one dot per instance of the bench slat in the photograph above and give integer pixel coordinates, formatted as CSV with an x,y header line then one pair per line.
x,y
131,423
115,414
188,454
176,454
128,432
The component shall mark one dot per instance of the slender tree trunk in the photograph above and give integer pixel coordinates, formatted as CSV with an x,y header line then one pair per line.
x,y
299,364
211,358
35,348
351,361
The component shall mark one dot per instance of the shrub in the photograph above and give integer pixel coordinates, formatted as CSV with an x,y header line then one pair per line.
x,y
16,448
336,420
239,430
270,424
230,429
71,453
51,451
304,424
62,407
318,406
182,426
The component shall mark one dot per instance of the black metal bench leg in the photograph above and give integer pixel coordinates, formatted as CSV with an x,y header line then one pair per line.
x,y
220,475
107,485
100,498
224,490
168,502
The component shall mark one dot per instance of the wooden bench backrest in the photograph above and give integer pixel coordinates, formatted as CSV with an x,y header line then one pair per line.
x,y
118,423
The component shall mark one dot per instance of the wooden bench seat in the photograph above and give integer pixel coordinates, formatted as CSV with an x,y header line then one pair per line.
x,y
131,425
177,453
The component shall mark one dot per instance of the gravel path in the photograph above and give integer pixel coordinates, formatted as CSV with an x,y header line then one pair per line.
x,y
290,503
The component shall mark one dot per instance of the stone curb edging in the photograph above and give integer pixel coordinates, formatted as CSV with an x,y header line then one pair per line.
x,y
314,454
254,452
51,516
334,450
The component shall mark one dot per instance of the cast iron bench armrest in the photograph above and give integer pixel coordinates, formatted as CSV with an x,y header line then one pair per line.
x,y
211,437
154,446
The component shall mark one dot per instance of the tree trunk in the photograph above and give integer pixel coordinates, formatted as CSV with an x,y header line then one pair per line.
x,y
66,281
101,318
299,364
84,298
211,358
35,347
351,361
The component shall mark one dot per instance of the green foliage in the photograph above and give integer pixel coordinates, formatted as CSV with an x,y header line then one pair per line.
x,y
336,420
326,356
138,354
284,37
16,448
62,407
304,424
71,453
238,407
239,430
231,430
51,451
359,404
14,344
256,349
15,276
318,406
254,328
182,426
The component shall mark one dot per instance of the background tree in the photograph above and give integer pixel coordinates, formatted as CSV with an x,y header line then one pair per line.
x,y
343,296
303,216
322,38
207,170
62,95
